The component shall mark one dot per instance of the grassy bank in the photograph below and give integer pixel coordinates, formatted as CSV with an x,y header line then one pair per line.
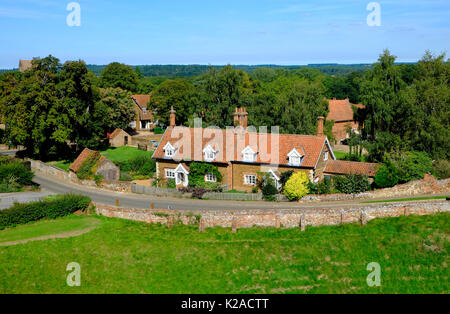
x,y
408,199
128,257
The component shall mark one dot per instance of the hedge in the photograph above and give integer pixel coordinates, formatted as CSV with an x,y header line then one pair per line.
x,y
61,206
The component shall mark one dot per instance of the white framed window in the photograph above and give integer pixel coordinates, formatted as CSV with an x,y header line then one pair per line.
x,y
169,150
210,153
250,179
170,173
209,177
248,155
295,160
326,156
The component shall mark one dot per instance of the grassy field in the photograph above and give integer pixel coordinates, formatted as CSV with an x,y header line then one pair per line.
x,y
114,154
46,227
122,256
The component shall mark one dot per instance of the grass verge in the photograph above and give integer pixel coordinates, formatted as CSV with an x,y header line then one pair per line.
x,y
122,256
408,199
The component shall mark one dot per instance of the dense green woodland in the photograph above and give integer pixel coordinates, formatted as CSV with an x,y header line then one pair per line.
x,y
55,109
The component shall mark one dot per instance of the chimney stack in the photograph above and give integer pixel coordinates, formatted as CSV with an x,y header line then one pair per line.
x,y
320,126
241,117
172,117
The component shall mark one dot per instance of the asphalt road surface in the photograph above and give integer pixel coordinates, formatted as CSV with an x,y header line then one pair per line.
x,y
54,186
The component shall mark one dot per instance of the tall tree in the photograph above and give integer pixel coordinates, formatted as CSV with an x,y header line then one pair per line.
x,y
120,75
383,94
177,93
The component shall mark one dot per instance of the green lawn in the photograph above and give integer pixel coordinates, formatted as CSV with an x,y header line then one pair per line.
x,y
63,164
122,256
47,227
408,199
114,154
340,155
124,153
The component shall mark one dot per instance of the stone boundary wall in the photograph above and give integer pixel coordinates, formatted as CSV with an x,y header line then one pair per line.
x,y
275,218
53,171
429,185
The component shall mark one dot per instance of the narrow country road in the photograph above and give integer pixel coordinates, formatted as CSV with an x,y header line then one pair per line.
x,y
55,186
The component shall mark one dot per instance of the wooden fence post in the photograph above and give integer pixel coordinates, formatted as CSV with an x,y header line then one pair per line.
x,y
303,223
153,206
201,225
170,222
234,225
363,218
117,203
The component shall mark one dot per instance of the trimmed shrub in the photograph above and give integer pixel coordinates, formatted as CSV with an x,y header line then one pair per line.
x,y
51,208
351,183
158,130
324,187
269,191
297,186
386,176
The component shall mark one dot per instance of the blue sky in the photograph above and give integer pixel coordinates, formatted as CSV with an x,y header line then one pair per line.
x,y
221,32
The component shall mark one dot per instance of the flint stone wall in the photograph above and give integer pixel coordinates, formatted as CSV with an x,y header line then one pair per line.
x,y
273,218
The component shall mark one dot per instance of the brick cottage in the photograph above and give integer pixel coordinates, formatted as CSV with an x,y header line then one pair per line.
x,y
241,154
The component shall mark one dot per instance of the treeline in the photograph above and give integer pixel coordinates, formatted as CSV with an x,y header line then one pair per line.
x,y
172,71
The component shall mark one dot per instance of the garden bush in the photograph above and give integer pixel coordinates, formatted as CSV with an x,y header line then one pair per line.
x,y
125,177
15,171
441,169
386,176
138,165
269,190
351,183
297,186
158,130
324,187
410,165
50,208
171,184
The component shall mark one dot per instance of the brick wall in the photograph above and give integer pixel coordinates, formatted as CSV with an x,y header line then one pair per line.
x,y
273,218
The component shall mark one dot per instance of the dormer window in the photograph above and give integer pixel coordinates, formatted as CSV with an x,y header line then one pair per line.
x,y
295,158
169,150
144,110
248,155
210,153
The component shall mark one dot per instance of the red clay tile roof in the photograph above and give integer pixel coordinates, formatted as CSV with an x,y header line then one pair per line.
x,y
142,101
341,110
117,132
233,142
86,153
351,167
